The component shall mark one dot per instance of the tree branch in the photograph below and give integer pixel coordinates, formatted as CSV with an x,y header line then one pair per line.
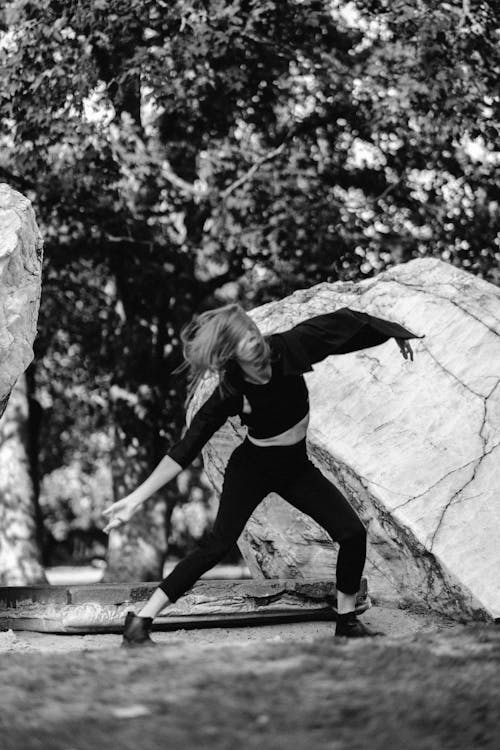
x,y
250,173
128,240
121,154
465,13
385,192
187,187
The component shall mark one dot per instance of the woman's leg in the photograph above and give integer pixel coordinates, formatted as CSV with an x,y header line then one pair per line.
x,y
243,489
156,602
312,493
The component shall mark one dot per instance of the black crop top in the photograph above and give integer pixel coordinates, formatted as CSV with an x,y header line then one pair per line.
x,y
283,401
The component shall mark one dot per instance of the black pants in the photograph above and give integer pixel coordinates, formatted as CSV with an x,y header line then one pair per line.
x,y
251,474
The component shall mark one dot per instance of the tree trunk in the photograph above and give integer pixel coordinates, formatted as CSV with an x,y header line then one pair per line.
x,y
20,555
136,551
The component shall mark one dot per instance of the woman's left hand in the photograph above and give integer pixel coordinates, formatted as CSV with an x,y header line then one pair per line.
x,y
405,348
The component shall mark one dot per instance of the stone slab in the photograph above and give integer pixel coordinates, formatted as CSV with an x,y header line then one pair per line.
x,y
102,607
111,621
18,596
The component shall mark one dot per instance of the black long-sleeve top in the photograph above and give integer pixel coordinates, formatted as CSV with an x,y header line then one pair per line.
x,y
283,401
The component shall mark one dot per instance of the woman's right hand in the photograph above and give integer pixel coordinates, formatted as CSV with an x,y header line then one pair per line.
x,y
119,513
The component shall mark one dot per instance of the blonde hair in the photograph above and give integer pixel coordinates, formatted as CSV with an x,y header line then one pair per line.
x,y
210,342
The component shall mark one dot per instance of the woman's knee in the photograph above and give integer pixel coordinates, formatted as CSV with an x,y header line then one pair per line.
x,y
354,534
215,547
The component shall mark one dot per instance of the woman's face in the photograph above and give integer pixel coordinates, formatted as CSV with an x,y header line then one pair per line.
x,y
251,355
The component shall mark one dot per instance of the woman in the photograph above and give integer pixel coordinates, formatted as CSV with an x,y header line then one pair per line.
x,y
261,380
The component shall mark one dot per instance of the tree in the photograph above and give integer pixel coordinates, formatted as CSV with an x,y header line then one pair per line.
x,y
20,558
182,154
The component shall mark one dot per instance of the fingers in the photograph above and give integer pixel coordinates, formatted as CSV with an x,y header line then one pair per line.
x,y
112,514
405,348
113,524
114,508
408,350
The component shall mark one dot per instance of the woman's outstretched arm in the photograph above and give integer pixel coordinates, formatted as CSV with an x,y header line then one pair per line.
x,y
339,332
123,510
207,420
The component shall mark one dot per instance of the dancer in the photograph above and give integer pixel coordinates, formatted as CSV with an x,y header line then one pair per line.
x,y
261,380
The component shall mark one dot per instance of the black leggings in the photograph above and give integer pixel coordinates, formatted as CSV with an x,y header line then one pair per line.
x,y
251,474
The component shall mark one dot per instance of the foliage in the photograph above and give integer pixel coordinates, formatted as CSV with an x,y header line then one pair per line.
x,y
180,154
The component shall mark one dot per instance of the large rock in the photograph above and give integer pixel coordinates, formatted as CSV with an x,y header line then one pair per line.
x,y
414,445
20,286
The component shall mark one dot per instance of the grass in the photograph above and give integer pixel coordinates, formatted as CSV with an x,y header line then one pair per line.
x,y
438,691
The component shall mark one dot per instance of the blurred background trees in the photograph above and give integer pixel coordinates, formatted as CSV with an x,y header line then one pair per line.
x,y
180,155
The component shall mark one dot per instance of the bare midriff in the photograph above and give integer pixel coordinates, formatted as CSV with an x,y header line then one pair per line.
x,y
291,436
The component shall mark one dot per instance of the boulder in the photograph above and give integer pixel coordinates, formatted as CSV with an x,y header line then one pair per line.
x,y
413,445
20,287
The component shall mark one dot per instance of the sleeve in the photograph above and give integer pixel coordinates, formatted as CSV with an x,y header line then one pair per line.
x,y
338,332
207,420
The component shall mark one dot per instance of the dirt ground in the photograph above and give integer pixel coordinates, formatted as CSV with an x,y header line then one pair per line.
x,y
393,622
428,683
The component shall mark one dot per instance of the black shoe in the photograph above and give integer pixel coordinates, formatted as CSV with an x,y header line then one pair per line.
x,y
349,626
136,631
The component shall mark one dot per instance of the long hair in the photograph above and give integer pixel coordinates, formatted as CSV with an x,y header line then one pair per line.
x,y
210,342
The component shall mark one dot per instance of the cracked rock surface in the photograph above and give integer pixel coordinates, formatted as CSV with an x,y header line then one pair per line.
x,y
20,287
413,445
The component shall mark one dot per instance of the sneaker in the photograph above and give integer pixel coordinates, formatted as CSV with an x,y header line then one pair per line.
x,y
136,631
349,626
